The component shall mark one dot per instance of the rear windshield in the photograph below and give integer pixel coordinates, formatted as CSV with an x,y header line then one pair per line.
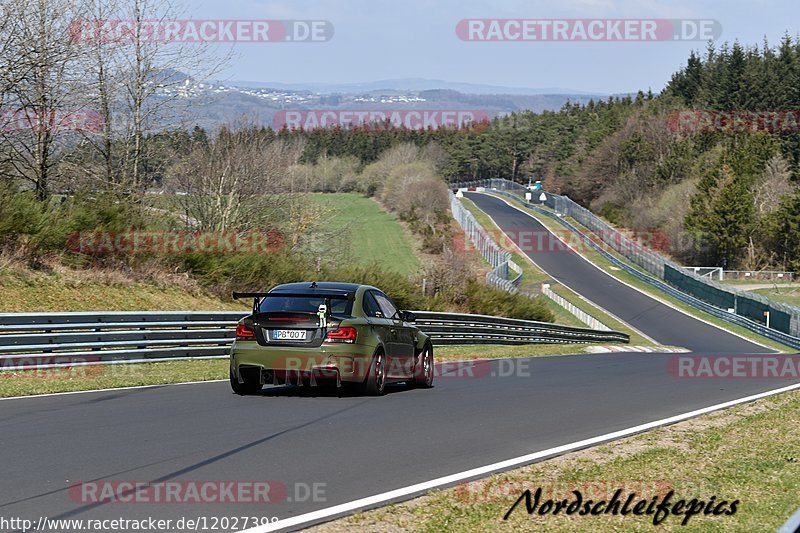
x,y
303,305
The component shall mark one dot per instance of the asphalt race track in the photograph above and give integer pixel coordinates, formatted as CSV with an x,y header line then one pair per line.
x,y
351,447
660,322
355,446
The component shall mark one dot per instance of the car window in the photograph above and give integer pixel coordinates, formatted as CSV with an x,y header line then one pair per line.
x,y
370,305
303,305
387,307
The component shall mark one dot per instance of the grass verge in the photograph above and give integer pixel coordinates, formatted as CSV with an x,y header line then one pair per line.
x,y
787,295
29,291
596,258
93,377
536,277
78,378
712,455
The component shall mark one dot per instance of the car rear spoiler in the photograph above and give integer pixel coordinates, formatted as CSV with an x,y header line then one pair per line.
x,y
329,294
334,295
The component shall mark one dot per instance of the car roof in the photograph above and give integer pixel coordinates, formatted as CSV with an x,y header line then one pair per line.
x,y
305,286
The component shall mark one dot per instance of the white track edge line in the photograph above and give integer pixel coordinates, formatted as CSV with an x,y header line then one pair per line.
x,y
30,396
502,465
573,291
654,297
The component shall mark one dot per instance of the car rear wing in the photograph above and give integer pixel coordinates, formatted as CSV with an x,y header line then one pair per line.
x,y
327,295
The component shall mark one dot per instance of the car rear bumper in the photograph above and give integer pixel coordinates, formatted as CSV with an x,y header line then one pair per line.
x,y
340,362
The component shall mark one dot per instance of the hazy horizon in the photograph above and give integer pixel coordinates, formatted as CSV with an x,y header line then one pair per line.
x,y
364,47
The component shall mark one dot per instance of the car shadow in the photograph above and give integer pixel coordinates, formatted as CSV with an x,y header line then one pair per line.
x,y
293,391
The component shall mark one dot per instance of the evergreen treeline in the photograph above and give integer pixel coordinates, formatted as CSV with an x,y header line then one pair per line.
x,y
724,198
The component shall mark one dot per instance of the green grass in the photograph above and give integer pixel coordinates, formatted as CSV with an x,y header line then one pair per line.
x,y
78,378
575,299
713,455
779,282
533,277
595,257
787,295
375,236
29,291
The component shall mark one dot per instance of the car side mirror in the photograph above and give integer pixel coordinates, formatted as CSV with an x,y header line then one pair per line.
x,y
408,316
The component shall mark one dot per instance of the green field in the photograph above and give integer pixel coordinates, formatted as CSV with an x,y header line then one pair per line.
x,y
374,236
28,291
787,295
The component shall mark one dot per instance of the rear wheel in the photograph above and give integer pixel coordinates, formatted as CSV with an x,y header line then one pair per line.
x,y
423,369
251,381
376,379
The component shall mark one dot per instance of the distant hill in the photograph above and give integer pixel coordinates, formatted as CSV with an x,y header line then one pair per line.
x,y
411,84
211,104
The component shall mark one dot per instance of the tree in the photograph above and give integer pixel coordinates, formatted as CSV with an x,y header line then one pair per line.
x,y
721,217
42,86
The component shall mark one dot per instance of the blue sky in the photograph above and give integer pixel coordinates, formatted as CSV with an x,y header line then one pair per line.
x,y
379,39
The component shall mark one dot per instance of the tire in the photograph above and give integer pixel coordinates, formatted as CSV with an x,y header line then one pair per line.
x,y
252,382
423,369
375,385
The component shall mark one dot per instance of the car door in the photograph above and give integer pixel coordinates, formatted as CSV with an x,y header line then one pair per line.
x,y
402,339
381,324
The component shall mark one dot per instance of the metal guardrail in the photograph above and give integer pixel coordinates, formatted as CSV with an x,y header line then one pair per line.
x,y
573,309
51,340
688,299
494,254
459,328
36,340
499,276
780,276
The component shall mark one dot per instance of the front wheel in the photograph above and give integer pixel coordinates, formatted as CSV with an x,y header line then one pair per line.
x,y
376,379
423,369
251,382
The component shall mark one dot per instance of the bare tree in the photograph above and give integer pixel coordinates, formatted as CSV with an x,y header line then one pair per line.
x,y
42,88
775,183
101,64
156,71
236,182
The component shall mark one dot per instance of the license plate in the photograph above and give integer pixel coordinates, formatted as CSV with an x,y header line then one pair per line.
x,y
289,335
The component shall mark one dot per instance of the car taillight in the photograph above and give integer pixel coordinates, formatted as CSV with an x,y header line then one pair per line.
x,y
244,333
346,334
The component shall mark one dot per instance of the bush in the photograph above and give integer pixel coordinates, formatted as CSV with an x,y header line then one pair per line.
x,y
486,300
224,273
33,229
20,216
404,292
103,212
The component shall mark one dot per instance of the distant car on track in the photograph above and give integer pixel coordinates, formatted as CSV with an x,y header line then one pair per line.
x,y
312,333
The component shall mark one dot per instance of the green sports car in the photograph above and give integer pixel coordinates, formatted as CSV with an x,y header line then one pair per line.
x,y
312,333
